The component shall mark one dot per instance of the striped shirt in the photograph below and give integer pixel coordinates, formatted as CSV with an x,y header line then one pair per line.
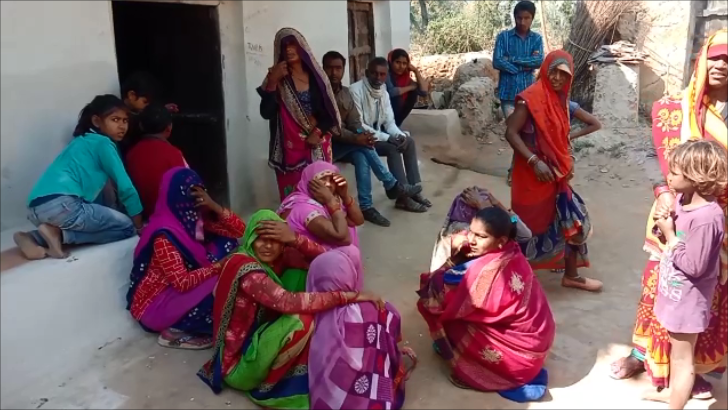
x,y
516,58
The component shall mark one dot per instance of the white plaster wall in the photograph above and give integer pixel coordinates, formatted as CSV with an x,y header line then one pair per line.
x,y
55,56
391,25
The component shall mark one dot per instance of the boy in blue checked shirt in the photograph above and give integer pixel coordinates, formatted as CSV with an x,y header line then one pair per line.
x,y
518,52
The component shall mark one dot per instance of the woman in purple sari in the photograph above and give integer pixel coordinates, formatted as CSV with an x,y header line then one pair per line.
x,y
297,100
356,363
176,262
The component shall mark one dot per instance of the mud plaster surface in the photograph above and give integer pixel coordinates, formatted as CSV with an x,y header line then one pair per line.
x,y
593,329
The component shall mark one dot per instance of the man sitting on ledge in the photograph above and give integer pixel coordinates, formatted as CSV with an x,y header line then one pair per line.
x,y
372,102
356,145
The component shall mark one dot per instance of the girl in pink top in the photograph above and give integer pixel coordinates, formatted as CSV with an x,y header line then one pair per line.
x,y
690,268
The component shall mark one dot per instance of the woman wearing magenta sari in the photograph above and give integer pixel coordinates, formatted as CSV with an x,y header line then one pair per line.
x,y
176,261
356,363
321,209
297,100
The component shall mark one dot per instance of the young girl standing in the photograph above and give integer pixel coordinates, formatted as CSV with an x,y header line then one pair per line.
x,y
63,203
690,268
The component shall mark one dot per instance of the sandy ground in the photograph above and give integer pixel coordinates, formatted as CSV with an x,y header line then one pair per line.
x,y
593,329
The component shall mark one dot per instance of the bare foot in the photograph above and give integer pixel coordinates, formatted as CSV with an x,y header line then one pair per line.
x,y
656,394
626,368
580,282
28,246
54,237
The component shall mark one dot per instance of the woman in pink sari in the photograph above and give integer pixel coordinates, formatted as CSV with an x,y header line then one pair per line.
x,y
487,313
356,363
321,208
297,100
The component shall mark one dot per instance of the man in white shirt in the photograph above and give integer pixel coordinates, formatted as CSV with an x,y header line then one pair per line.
x,y
372,101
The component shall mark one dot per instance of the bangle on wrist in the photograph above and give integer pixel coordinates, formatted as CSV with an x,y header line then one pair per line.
x,y
532,159
348,201
333,208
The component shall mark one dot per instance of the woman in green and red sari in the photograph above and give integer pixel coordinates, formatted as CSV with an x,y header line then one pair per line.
x,y
263,319
701,113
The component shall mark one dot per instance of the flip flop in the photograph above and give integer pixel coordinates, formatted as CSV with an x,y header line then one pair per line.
x,y
702,389
184,341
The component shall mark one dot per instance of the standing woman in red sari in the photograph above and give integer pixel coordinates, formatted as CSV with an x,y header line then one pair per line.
x,y
297,100
538,130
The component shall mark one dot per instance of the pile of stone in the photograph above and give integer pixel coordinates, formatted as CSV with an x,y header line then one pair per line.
x,y
466,83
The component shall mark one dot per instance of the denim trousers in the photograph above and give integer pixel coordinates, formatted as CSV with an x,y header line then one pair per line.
x,y
81,222
364,160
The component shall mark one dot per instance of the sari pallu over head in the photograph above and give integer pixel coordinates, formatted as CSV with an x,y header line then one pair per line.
x,y
288,149
175,217
246,362
301,208
676,120
497,320
356,363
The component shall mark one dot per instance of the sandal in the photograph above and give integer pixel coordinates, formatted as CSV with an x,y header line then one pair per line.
x,y
409,205
174,339
626,368
580,282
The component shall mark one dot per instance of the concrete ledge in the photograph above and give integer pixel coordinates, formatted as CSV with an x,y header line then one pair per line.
x,y
434,128
56,315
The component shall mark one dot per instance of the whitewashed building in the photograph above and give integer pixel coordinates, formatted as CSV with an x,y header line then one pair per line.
x,y
209,55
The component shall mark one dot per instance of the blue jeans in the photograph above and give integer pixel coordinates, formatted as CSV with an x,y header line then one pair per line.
x,y
81,222
364,159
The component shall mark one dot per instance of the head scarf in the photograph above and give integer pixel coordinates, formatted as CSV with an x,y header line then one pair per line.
x,y
353,342
250,235
550,113
700,117
300,195
287,90
175,217
399,80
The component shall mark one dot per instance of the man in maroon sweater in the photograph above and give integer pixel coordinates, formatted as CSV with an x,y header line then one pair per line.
x,y
153,155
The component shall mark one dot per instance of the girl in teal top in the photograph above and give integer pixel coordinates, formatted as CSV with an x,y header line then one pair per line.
x,y
64,204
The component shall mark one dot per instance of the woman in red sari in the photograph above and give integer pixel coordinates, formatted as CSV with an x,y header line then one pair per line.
x,y
297,100
487,313
701,113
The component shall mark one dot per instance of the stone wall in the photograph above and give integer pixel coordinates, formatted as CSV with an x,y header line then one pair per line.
x,y
441,68
659,28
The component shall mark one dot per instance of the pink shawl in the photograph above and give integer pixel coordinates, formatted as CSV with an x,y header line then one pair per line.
x,y
356,361
302,208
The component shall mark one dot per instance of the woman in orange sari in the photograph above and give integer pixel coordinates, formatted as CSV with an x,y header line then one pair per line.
x,y
700,114
538,130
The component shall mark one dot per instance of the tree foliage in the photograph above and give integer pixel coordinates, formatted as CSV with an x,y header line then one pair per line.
x,y
460,26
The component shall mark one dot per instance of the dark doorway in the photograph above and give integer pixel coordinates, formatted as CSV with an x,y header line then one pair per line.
x,y
179,44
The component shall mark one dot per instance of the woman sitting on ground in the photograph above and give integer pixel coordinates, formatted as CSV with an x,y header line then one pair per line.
x,y
65,203
487,312
541,195
353,341
264,319
462,210
321,208
403,91
177,261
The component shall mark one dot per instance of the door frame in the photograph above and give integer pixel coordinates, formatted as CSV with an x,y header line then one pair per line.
x,y
351,7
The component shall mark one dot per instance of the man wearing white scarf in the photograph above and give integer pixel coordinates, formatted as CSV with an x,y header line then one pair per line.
x,y
372,101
